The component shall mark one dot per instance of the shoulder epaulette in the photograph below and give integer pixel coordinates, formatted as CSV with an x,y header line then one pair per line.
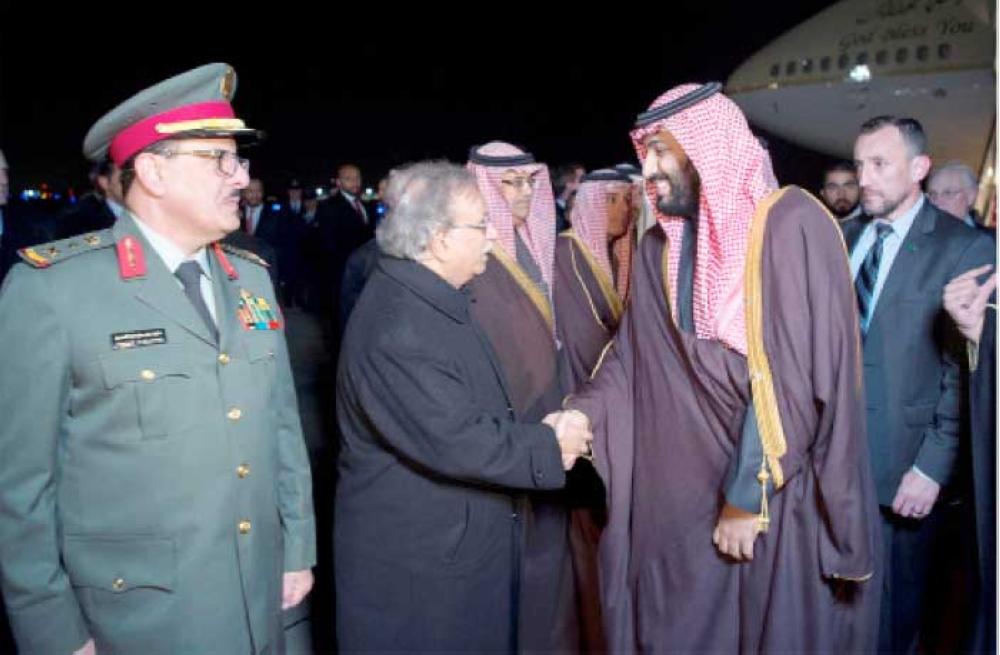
x,y
46,254
245,254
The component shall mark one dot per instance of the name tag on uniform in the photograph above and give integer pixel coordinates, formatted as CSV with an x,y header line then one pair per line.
x,y
138,338
255,313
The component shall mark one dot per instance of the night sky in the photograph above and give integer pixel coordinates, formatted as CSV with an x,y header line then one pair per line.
x,y
380,87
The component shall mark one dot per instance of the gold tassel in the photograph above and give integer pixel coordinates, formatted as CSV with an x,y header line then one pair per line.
x,y
764,519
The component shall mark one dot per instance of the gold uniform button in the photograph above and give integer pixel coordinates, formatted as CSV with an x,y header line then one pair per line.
x,y
235,413
243,470
244,527
147,375
223,358
118,584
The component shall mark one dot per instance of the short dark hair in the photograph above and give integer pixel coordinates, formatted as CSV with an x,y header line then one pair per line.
x,y
911,129
840,166
341,168
128,167
562,175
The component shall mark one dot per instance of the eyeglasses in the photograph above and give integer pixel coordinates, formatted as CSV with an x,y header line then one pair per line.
x,y
945,194
520,183
227,161
472,226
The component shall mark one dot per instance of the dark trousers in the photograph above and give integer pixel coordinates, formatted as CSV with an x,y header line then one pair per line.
x,y
908,550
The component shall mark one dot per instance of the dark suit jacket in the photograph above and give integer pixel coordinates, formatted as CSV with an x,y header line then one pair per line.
x,y
429,514
342,228
269,225
358,269
913,354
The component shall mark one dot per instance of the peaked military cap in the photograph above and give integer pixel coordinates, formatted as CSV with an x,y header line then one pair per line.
x,y
192,105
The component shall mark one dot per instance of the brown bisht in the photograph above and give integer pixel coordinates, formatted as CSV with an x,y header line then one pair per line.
x,y
587,310
510,302
667,410
517,320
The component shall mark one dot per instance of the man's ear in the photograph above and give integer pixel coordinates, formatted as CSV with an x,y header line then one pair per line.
x,y
149,175
919,167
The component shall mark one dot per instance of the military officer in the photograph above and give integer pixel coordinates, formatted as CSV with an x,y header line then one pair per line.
x,y
155,493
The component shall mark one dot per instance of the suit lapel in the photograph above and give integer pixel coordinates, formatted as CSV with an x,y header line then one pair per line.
x,y
912,255
852,232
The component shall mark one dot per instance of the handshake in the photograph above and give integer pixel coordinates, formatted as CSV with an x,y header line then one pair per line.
x,y
572,429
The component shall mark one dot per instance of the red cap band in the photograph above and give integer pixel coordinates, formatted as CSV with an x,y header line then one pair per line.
x,y
136,137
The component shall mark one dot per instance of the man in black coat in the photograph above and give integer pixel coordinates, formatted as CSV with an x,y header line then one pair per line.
x,y
344,225
434,465
902,254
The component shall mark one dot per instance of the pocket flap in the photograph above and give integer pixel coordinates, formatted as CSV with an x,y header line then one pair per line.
x,y
119,563
259,346
144,365
919,414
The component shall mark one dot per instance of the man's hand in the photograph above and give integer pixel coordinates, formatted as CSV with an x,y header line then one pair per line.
x,y
87,649
572,430
916,496
295,585
965,300
735,533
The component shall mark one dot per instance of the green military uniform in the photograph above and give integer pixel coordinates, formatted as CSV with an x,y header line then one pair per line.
x,y
154,483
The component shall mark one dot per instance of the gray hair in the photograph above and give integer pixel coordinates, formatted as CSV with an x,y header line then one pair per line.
x,y
971,182
419,198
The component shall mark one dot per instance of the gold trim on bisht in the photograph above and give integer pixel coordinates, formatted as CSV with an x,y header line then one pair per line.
x,y
665,273
535,294
603,280
765,402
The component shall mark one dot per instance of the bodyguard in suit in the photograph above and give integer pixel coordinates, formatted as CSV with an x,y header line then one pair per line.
x,y
259,219
902,254
155,485
344,225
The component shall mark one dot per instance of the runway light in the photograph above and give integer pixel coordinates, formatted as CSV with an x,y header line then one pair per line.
x,y
860,73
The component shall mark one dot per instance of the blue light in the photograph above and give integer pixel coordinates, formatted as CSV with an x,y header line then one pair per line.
x,y
276,207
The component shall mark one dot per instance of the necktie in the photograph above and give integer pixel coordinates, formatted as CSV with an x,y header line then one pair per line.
x,y
249,220
361,211
864,283
189,273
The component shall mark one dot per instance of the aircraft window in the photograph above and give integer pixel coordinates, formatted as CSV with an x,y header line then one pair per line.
x,y
862,58
824,64
807,65
922,53
902,55
775,70
842,61
790,68
881,57
944,51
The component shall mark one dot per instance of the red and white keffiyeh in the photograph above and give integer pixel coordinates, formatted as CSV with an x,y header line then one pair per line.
x,y
538,231
736,174
589,219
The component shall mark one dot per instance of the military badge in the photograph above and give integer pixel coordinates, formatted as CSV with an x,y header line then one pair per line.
x,y
255,313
